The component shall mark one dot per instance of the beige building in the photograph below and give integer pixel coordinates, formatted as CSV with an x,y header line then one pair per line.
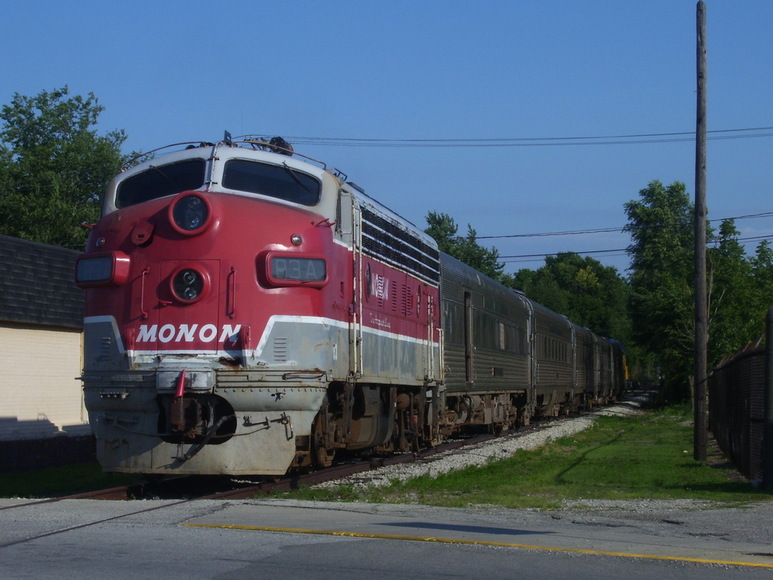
x,y
41,318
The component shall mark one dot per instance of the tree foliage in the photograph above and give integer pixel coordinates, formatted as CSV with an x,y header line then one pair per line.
x,y
54,166
589,293
740,288
660,223
740,292
443,229
762,273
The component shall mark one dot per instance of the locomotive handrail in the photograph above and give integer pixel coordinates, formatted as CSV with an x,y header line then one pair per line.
x,y
129,163
255,142
231,293
275,148
144,274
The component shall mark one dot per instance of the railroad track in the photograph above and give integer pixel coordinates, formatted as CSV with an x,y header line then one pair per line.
x,y
189,488
342,470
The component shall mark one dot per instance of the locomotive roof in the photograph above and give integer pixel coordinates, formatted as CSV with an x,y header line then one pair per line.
x,y
275,151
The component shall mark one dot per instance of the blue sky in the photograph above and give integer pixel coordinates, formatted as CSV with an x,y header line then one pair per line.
x,y
404,71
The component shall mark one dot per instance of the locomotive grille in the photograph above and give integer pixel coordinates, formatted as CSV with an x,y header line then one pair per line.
x,y
398,247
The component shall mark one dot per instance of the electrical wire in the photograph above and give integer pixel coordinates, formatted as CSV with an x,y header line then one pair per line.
x,y
610,253
631,139
608,230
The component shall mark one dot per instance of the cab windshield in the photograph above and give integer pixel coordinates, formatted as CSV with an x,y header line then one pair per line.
x,y
160,181
279,181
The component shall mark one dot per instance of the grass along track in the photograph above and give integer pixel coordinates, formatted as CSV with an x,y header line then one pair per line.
x,y
639,456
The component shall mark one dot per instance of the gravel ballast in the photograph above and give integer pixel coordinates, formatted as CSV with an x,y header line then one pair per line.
x,y
482,453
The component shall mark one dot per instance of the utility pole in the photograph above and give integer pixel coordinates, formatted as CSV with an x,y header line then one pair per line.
x,y
767,436
701,303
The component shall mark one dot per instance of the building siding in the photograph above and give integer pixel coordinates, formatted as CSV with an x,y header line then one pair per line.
x,y
41,320
40,395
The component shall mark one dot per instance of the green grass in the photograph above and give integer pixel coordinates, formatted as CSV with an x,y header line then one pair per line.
x,y
620,458
58,481
641,457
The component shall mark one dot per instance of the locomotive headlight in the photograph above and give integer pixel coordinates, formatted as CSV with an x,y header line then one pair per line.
x,y
190,213
103,269
189,285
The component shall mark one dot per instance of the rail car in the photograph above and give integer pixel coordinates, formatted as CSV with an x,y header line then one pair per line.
x,y
250,311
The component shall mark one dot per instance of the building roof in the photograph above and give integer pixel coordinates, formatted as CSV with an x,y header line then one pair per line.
x,y
37,284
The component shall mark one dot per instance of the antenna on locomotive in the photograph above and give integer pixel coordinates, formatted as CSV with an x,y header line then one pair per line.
x,y
227,139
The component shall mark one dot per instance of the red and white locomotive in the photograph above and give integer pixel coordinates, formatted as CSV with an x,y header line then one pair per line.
x,y
249,312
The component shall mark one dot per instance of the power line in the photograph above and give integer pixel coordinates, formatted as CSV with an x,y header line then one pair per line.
x,y
505,258
608,230
549,234
630,139
752,239
612,252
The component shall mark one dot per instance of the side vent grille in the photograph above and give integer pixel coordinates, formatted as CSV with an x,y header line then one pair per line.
x,y
280,349
396,245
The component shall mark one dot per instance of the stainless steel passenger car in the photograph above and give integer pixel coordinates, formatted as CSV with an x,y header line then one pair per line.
x,y
508,358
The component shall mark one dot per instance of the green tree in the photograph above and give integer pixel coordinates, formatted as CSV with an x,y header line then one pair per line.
x,y
589,293
740,293
734,318
540,285
762,276
54,166
443,229
660,223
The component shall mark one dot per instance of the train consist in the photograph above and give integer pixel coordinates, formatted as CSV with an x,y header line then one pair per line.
x,y
249,311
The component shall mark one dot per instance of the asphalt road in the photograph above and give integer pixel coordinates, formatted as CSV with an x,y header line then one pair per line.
x,y
279,538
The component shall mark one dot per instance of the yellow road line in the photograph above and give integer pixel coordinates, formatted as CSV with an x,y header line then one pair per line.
x,y
473,542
